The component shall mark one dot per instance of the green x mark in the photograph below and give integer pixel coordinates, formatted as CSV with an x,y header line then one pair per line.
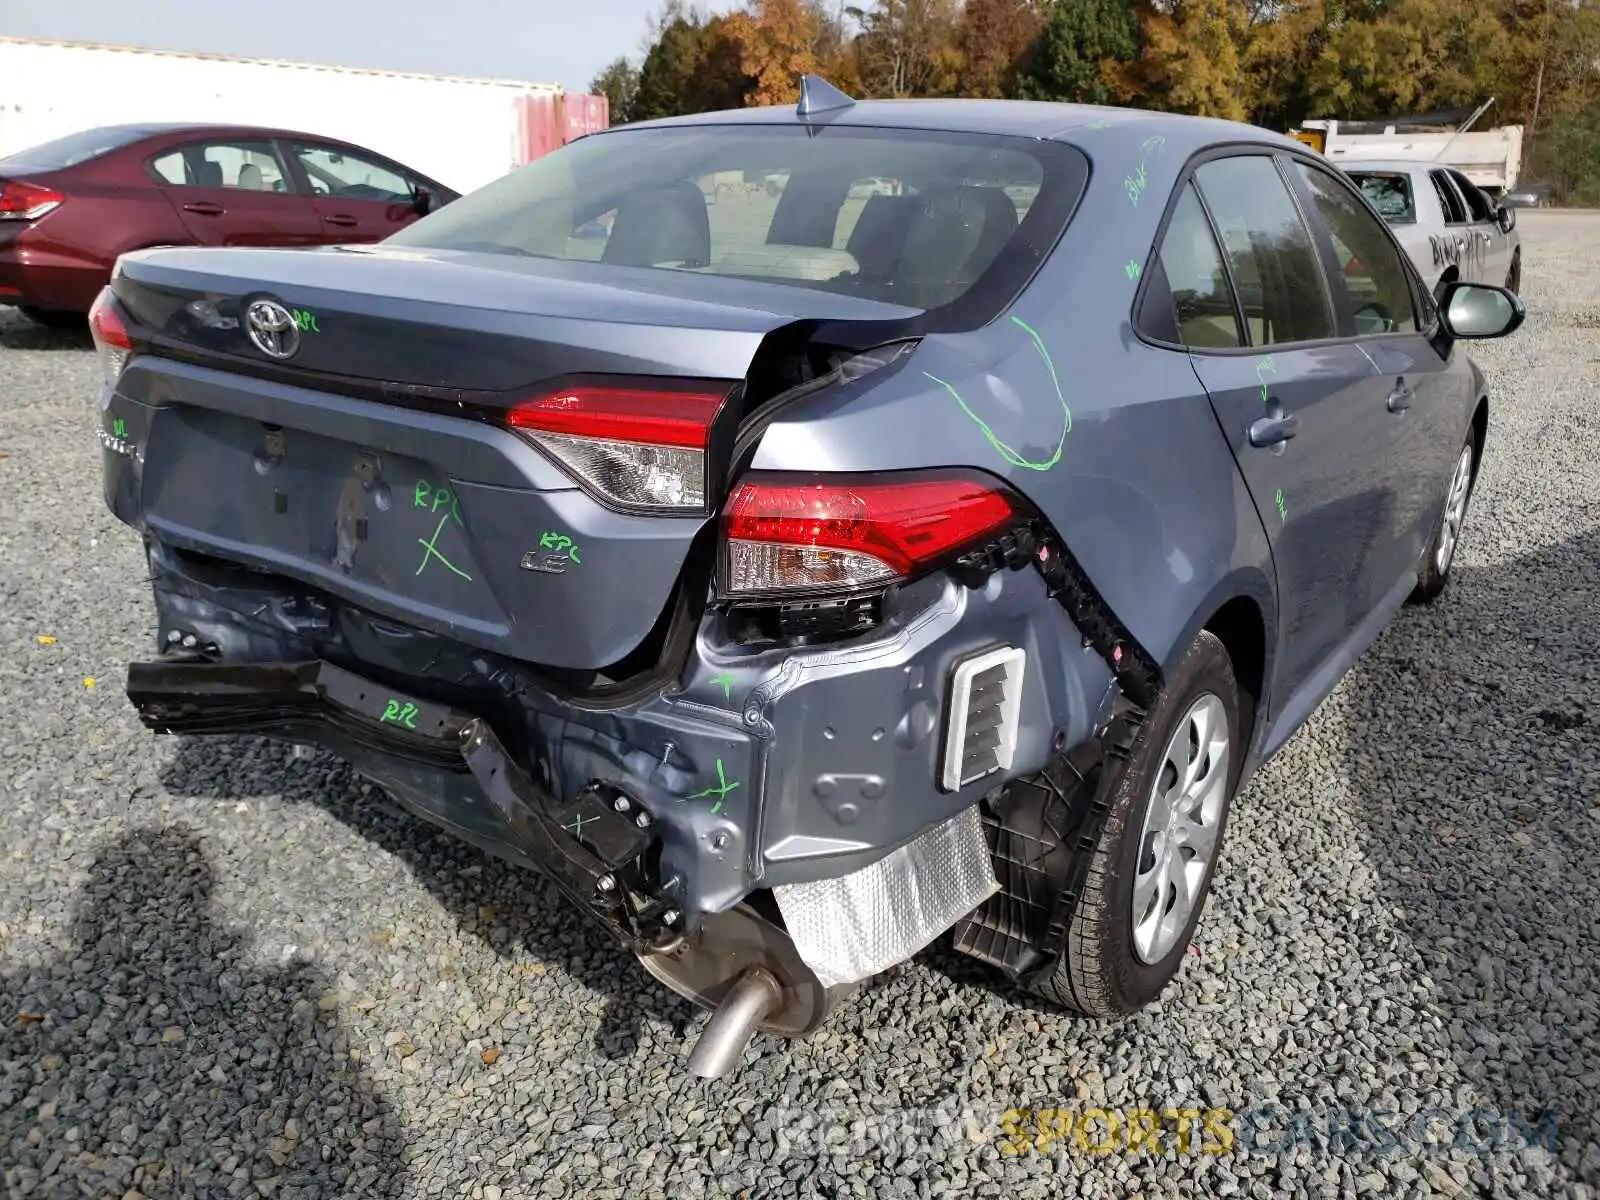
x,y
578,823
430,550
727,682
720,791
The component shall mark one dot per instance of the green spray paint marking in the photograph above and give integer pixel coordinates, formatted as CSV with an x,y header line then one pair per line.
x,y
305,320
1135,183
1134,268
727,683
119,427
720,791
1264,368
1283,509
578,823
400,714
1005,451
560,543
430,550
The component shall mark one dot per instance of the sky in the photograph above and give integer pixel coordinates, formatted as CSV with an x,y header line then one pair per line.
x,y
539,41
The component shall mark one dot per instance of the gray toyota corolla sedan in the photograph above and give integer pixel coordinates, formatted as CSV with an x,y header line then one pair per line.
x,y
803,533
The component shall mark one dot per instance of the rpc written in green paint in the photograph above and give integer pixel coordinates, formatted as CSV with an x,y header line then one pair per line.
x,y
304,320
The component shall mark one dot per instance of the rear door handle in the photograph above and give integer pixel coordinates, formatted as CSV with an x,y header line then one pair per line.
x,y
341,219
1274,430
1400,399
204,208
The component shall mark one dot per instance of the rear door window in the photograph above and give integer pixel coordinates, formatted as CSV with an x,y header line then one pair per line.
x,y
925,219
1377,291
1269,251
247,165
1389,193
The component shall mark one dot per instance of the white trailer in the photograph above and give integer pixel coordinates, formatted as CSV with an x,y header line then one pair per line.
x,y
1490,158
463,132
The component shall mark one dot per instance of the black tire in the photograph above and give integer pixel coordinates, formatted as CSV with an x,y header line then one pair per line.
x,y
1514,275
1431,578
1098,972
53,319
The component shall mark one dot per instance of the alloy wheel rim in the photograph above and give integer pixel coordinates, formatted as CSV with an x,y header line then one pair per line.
x,y
1182,822
1455,510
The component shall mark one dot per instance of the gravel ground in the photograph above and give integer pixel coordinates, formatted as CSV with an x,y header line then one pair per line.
x,y
224,971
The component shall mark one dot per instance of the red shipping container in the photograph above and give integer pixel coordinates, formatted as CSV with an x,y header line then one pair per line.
x,y
539,125
585,114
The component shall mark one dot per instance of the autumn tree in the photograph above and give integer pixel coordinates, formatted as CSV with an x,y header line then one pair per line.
x,y
996,37
908,47
617,83
1190,58
774,40
1079,47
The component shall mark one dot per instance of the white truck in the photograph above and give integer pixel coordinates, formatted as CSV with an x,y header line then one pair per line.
x,y
1490,158
463,132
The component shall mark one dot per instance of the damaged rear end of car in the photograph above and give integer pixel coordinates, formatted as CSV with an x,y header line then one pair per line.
x,y
483,516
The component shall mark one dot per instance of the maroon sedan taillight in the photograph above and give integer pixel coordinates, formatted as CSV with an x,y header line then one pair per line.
x,y
21,201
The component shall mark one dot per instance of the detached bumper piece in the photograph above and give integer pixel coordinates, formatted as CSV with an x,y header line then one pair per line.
x,y
597,849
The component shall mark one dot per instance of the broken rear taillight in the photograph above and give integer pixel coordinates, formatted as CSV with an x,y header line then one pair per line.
x,y
822,534
639,446
110,336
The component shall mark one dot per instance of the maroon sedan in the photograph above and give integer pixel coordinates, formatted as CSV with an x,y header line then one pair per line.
x,y
69,207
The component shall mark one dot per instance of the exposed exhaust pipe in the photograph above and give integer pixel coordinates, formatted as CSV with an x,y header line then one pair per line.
x,y
753,996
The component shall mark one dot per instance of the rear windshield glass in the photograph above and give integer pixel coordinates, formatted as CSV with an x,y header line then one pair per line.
x,y
1390,195
75,148
911,217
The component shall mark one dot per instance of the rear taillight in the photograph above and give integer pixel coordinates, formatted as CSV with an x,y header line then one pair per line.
x,y
21,201
821,535
639,447
110,336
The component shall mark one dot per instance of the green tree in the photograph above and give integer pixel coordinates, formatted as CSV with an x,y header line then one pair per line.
x,y
617,83
667,75
1078,43
692,65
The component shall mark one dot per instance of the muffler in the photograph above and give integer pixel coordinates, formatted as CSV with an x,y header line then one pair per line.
x,y
752,998
743,968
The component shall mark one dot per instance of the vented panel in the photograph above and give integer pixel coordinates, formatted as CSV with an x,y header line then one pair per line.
x,y
985,703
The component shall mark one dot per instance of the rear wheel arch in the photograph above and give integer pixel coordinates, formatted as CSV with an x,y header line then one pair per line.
x,y
1242,629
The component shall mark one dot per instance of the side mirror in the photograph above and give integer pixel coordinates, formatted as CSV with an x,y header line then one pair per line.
x,y
421,201
1507,218
1480,310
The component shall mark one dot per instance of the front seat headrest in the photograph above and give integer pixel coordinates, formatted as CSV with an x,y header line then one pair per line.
x,y
663,224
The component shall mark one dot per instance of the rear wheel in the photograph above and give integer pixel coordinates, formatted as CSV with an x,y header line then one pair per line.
x,y
1514,274
1433,572
1151,868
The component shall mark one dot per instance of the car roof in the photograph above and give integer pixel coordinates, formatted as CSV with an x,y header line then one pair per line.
x,y
163,129
1084,123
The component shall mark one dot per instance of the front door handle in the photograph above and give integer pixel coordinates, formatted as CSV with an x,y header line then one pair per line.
x,y
341,219
1400,399
204,207
1275,429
